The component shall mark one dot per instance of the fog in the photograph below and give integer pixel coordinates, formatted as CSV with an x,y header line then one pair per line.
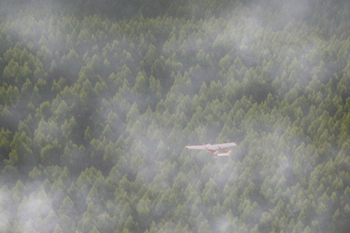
x,y
133,163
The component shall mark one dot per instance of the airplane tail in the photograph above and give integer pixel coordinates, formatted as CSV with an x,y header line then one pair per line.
x,y
225,154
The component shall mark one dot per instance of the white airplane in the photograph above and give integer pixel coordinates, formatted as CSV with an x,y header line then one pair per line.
x,y
214,149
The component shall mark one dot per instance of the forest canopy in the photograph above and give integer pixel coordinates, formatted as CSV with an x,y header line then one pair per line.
x,y
98,100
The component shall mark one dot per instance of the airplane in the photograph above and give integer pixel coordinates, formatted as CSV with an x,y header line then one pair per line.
x,y
214,149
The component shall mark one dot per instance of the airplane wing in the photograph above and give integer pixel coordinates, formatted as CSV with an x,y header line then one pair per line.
x,y
197,147
225,145
212,147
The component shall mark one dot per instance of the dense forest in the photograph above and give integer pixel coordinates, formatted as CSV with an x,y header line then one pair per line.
x,y
98,100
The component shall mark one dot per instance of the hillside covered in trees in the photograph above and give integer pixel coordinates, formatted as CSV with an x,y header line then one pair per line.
x,y
98,100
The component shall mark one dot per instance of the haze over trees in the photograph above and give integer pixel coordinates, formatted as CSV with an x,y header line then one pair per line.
x,y
99,98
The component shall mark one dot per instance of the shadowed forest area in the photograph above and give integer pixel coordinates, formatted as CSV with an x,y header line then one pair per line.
x,y
98,100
